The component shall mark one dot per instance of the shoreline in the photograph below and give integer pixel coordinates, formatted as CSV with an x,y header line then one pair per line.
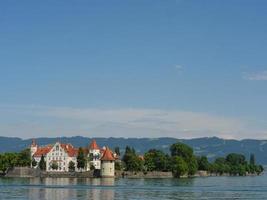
x,y
23,172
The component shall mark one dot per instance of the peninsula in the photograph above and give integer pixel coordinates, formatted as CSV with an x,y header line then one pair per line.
x,y
64,160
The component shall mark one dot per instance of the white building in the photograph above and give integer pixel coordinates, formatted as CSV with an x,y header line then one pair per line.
x,y
93,156
57,156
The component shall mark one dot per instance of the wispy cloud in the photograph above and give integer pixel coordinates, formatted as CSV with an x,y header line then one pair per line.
x,y
256,76
126,122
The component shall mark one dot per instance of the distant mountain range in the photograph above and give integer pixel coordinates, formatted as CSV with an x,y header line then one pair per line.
x,y
212,147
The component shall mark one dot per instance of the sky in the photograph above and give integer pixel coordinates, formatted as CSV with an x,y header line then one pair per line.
x,y
133,68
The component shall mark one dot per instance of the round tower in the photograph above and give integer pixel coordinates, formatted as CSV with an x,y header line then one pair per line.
x,y
107,164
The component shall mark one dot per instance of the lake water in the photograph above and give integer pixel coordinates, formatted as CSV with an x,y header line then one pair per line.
x,y
111,189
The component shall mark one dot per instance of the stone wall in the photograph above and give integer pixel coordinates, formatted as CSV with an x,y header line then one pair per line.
x,y
155,174
23,172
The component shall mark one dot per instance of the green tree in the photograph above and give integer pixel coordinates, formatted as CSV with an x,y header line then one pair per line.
x,y
192,165
34,162
182,150
54,165
71,166
185,152
42,163
155,160
24,158
117,151
131,160
235,159
81,161
252,159
118,166
203,163
179,166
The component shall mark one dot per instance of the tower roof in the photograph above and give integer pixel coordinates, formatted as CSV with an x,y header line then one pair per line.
x,y
33,143
107,155
93,145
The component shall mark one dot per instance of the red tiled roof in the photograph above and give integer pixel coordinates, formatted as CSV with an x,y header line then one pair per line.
x,y
93,145
107,155
42,151
69,149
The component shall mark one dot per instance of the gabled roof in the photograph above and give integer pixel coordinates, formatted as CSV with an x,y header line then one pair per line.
x,y
69,149
107,155
93,145
33,143
42,151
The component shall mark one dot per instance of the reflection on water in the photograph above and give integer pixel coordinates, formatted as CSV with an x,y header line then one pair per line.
x,y
133,189
71,188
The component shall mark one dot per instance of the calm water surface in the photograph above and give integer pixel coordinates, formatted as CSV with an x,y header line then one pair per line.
x,y
111,189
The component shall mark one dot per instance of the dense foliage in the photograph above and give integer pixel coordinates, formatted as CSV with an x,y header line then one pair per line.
x,y
156,160
71,166
131,160
42,163
235,164
9,160
54,165
182,161
81,160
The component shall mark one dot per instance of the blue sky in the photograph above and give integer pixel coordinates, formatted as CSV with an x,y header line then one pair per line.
x,y
133,68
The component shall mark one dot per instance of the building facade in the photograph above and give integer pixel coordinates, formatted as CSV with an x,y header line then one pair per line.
x,y
58,157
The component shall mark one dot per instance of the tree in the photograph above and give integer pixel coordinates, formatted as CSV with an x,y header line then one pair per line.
x,y
179,166
71,166
117,151
34,162
131,160
42,163
81,161
54,165
252,159
118,165
155,160
185,152
203,163
235,159
24,158
182,150
192,165
92,167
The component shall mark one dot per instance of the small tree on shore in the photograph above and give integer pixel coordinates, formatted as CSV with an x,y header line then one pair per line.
x,y
179,166
42,163
252,159
34,162
81,161
203,163
54,166
71,166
